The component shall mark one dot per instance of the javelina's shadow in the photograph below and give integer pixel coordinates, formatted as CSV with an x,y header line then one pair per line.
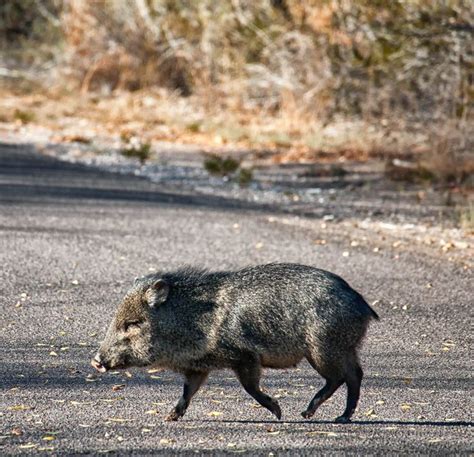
x,y
354,422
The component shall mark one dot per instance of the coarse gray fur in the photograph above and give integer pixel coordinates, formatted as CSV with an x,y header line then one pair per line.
x,y
269,316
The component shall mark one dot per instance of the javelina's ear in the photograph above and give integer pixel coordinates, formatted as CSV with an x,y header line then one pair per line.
x,y
157,293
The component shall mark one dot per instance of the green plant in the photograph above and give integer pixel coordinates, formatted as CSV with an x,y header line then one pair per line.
x,y
245,176
229,167
24,116
194,127
135,148
221,166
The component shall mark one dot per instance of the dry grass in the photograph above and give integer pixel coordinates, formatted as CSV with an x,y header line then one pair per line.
x,y
466,218
154,115
451,157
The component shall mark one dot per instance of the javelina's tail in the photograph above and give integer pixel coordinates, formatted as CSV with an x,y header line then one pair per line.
x,y
373,313
368,308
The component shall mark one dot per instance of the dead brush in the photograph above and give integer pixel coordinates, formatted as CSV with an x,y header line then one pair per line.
x,y
450,156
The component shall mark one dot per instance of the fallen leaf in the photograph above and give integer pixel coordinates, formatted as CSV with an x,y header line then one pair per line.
x,y
77,403
166,441
117,387
215,413
17,431
48,438
111,400
449,343
405,406
154,370
119,419
320,432
19,408
370,413
152,411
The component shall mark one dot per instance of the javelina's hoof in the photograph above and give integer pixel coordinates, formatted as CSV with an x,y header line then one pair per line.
x,y
307,414
172,416
342,420
277,410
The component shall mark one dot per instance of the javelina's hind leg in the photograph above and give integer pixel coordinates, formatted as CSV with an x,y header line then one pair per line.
x,y
332,372
353,381
249,373
321,396
192,382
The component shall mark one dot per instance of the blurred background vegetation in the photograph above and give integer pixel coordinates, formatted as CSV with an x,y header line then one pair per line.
x,y
262,72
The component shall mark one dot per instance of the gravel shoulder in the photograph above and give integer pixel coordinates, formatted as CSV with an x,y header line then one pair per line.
x,y
73,238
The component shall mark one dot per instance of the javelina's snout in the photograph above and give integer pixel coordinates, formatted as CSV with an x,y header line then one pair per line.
x,y
97,363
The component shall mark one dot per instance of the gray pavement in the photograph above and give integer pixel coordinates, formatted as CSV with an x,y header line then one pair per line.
x,y
73,238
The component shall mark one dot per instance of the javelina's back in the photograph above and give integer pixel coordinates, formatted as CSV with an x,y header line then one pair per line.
x,y
292,310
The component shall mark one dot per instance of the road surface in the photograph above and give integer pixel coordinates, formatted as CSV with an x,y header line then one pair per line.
x,y
73,238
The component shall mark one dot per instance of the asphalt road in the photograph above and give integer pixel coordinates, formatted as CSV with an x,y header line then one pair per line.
x,y
71,241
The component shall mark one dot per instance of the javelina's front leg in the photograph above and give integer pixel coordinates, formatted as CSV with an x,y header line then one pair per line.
x,y
248,372
192,382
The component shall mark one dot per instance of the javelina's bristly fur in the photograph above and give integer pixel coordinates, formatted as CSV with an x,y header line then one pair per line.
x,y
194,321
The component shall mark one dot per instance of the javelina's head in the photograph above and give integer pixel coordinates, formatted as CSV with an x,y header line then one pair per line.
x,y
128,341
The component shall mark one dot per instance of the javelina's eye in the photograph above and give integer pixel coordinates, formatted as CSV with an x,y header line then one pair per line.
x,y
130,325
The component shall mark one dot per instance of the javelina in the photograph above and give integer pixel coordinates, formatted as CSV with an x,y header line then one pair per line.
x,y
268,316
